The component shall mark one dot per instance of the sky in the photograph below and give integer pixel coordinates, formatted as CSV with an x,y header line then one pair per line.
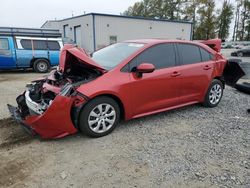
x,y
33,13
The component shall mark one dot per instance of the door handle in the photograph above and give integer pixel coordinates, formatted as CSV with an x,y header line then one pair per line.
x,y
207,67
175,74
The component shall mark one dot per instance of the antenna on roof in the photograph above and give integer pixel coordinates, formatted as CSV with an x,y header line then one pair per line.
x,y
72,13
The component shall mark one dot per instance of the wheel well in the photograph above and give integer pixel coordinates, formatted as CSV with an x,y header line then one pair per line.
x,y
34,59
221,79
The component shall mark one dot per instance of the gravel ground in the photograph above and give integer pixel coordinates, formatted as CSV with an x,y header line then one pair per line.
x,y
188,147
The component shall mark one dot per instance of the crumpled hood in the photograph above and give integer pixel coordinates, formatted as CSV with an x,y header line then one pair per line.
x,y
70,50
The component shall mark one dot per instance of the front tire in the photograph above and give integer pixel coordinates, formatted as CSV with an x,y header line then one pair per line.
x,y
240,54
214,94
99,117
41,66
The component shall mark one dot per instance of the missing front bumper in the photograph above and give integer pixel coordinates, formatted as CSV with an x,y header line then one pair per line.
x,y
16,115
55,122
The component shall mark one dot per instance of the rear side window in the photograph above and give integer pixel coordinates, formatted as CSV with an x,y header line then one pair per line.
x,y
53,45
4,44
205,55
189,53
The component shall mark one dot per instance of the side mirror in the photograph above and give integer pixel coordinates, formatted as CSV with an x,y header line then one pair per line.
x,y
144,68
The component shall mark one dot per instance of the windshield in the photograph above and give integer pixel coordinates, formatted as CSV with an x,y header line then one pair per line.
x,y
111,56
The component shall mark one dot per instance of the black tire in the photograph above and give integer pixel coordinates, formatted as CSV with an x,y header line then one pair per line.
x,y
41,66
208,101
240,54
243,87
85,116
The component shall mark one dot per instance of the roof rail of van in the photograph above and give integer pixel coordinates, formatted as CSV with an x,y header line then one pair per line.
x,y
29,32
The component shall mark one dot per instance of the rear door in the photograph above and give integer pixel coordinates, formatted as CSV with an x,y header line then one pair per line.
x,y
54,51
196,72
158,90
7,53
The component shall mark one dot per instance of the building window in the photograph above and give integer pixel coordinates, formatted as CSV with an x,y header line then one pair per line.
x,y
112,39
65,31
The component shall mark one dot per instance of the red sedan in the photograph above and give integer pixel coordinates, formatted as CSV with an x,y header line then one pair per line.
x,y
123,81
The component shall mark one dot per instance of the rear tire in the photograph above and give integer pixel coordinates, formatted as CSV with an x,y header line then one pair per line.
x,y
214,94
41,66
99,117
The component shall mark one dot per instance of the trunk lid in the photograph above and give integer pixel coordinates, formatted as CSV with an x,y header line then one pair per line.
x,y
215,44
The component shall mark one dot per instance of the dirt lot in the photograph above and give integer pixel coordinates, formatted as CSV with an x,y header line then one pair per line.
x,y
193,146
188,147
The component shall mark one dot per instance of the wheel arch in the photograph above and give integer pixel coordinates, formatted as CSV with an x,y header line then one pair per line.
x,y
75,113
220,78
32,61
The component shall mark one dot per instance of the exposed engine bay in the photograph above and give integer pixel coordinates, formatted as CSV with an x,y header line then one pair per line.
x,y
41,93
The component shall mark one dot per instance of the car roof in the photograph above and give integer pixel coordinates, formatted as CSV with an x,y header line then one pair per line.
x,y
156,41
160,41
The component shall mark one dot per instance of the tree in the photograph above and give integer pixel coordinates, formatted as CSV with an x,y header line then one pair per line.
x,y
241,26
207,20
236,22
244,16
162,9
189,12
224,20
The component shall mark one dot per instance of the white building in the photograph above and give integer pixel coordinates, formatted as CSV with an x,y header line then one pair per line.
x,y
93,31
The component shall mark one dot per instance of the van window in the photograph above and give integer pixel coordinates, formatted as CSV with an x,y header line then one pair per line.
x,y
189,53
4,44
37,44
40,45
53,45
26,44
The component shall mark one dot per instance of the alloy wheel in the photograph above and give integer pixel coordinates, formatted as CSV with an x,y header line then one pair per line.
x,y
102,118
215,94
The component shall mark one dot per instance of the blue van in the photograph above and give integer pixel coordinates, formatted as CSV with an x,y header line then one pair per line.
x,y
29,52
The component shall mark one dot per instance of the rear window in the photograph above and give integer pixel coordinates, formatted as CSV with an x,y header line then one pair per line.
x,y
189,53
4,44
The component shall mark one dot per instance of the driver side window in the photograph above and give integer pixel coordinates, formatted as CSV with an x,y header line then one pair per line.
x,y
161,56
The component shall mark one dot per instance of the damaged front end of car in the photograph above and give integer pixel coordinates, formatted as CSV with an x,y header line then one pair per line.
x,y
50,106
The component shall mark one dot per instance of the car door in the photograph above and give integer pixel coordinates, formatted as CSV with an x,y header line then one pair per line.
x,y
196,72
54,51
158,90
7,53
